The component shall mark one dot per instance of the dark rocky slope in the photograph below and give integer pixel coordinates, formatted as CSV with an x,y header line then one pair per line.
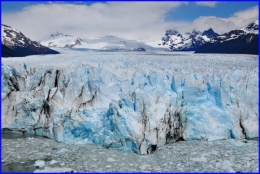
x,y
242,41
15,44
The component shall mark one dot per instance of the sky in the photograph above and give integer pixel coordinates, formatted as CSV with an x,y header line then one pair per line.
x,y
143,21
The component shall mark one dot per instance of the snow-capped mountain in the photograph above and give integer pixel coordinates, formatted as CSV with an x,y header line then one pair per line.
x,y
110,43
114,43
62,40
17,44
251,28
240,41
175,41
209,33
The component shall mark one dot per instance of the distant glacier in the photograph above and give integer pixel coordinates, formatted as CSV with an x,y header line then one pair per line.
x,y
131,101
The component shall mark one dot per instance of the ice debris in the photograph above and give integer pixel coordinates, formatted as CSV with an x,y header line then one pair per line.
x,y
39,163
54,169
63,150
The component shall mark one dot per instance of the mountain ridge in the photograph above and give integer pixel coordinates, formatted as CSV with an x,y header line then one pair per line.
x,y
107,42
239,41
16,44
177,42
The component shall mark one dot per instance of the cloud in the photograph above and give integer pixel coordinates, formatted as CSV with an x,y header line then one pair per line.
x,y
134,20
209,4
140,20
222,25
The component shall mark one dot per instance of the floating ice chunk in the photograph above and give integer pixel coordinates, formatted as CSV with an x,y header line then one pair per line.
x,y
39,163
53,162
46,144
255,168
63,150
29,138
54,169
236,142
226,165
111,159
252,154
201,159
214,152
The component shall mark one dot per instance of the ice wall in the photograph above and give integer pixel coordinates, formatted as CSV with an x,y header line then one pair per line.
x,y
131,102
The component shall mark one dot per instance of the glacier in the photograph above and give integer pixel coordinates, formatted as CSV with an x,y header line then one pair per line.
x,y
131,101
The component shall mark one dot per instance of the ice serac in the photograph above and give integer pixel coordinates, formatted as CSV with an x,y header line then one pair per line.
x,y
131,102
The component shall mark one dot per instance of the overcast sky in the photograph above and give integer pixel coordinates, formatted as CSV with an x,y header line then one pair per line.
x,y
144,21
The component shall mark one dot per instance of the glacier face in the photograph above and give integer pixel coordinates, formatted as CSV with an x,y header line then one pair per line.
x,y
131,101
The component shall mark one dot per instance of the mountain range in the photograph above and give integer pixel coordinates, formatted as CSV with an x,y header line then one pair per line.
x,y
62,40
187,42
109,43
240,41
